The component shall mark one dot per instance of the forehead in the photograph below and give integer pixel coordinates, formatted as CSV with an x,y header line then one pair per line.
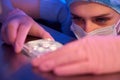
x,y
95,9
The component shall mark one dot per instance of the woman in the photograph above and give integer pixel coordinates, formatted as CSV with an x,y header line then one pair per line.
x,y
94,19
98,54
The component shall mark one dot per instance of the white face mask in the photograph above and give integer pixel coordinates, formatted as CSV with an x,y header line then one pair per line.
x,y
109,30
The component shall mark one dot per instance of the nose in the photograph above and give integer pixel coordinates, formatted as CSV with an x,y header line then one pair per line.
x,y
90,26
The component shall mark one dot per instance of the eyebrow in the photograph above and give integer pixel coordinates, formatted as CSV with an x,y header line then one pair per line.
x,y
102,15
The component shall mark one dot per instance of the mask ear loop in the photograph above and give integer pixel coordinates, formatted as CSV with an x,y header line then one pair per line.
x,y
117,28
78,31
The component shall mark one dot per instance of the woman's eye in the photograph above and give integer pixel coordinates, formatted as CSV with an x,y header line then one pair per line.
x,y
102,20
77,18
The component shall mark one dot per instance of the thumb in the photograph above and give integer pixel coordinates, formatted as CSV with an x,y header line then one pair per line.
x,y
38,31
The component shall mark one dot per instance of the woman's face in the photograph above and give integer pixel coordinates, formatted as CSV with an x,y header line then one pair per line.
x,y
91,16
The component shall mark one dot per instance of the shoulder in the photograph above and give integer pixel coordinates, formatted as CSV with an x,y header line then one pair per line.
x,y
51,9
53,3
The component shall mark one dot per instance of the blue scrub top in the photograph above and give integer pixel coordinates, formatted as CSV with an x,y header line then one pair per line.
x,y
56,11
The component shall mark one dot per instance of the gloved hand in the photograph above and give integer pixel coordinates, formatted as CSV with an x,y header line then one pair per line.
x,y
90,55
17,25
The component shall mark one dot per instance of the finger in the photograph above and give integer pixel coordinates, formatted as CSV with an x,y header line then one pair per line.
x,y
38,31
78,68
11,31
3,34
49,57
21,36
62,56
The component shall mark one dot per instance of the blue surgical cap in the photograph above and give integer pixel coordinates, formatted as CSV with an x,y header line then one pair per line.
x,y
114,4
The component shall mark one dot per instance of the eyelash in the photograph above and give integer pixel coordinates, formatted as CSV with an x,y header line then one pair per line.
x,y
103,19
76,18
